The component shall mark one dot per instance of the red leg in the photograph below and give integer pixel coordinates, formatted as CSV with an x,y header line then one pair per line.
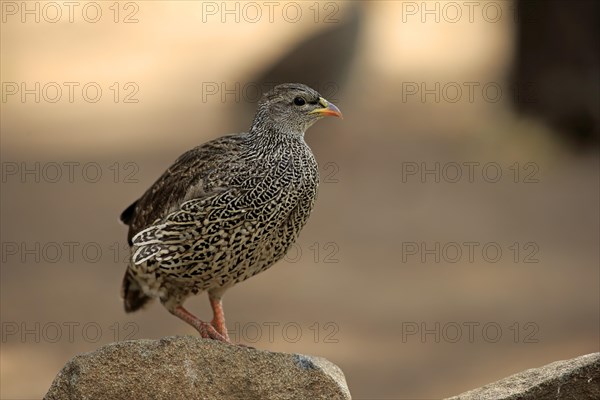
x,y
205,329
218,321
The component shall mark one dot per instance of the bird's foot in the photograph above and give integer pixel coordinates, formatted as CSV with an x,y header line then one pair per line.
x,y
208,331
218,321
220,328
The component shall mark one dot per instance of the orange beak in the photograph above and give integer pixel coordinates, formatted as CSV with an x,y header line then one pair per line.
x,y
329,109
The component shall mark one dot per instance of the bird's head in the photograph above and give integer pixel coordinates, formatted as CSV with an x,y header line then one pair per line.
x,y
292,108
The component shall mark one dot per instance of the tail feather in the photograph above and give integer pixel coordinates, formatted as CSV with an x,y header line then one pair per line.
x,y
134,297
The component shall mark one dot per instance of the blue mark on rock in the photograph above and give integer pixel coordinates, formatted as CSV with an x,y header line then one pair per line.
x,y
304,362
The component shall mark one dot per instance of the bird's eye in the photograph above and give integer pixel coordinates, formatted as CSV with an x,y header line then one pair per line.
x,y
299,101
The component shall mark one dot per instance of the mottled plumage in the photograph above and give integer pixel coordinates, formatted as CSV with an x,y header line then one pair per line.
x,y
225,210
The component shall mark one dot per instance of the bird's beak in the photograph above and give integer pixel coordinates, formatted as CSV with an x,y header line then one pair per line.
x,y
329,109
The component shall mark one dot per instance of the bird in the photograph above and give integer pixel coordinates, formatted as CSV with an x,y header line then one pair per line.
x,y
225,210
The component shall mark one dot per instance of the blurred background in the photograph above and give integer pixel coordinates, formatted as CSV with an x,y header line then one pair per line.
x,y
455,237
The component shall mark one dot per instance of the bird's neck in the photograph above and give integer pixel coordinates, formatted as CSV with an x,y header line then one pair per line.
x,y
271,142
267,134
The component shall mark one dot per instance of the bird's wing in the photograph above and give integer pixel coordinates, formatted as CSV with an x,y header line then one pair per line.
x,y
213,227
194,175
169,241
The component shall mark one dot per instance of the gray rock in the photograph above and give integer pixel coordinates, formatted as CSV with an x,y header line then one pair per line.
x,y
577,379
194,368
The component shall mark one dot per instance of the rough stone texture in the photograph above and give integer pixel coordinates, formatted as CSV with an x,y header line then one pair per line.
x,y
577,379
195,368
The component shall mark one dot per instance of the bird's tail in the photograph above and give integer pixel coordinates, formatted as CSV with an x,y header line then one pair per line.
x,y
134,297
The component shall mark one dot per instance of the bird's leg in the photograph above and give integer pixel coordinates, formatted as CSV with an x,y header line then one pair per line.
x,y
205,329
218,321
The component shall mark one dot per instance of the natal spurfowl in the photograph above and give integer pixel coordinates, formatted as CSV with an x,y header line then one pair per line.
x,y
225,210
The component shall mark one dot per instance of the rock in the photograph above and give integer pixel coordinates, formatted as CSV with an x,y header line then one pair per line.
x,y
578,378
194,368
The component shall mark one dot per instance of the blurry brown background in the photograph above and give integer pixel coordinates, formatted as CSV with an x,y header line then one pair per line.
x,y
351,286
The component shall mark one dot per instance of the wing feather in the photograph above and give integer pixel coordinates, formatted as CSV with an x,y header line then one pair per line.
x,y
195,174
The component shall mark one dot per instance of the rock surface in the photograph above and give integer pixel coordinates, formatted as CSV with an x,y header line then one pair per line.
x,y
577,379
194,368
